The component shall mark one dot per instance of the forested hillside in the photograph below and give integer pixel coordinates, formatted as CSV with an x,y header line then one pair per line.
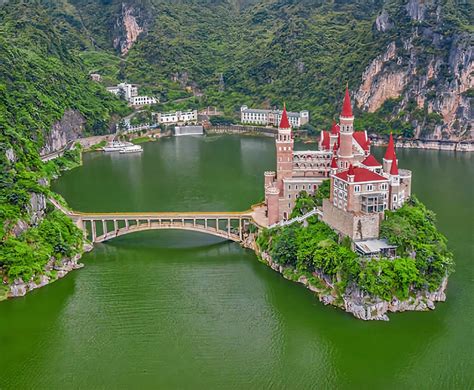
x,y
41,79
408,62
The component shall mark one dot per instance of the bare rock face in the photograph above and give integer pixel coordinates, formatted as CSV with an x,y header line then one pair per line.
x,y
416,9
383,22
424,67
10,155
130,24
69,128
36,208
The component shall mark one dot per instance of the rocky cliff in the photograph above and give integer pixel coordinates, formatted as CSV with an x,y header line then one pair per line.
x,y
425,71
69,128
131,22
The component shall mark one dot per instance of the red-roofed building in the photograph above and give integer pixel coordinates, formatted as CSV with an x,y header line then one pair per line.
x,y
371,163
361,187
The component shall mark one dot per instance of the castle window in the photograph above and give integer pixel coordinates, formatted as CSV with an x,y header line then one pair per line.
x,y
289,186
289,196
370,187
384,186
304,187
296,186
356,188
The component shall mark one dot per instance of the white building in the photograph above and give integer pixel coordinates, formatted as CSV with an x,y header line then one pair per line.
x,y
170,118
130,94
272,117
128,90
142,101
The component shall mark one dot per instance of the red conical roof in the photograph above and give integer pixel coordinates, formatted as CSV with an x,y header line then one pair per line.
x,y
333,163
284,123
351,172
346,105
390,153
394,167
334,128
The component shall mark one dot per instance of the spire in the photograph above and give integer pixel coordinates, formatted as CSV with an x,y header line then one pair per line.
x,y
334,128
394,167
284,122
346,105
351,172
334,163
390,153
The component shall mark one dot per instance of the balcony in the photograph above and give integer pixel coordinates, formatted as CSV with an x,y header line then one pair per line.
x,y
374,203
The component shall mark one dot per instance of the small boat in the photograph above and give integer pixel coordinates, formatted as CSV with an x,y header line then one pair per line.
x,y
116,146
131,149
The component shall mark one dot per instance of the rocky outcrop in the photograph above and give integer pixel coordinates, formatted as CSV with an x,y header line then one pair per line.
x,y
428,74
131,23
354,301
383,22
54,271
69,128
366,307
10,155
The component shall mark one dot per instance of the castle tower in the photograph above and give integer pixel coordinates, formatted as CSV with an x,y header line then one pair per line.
x,y
272,199
346,131
284,151
394,201
389,155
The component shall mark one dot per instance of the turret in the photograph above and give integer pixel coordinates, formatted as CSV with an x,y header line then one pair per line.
x,y
271,196
346,128
389,155
334,136
284,150
350,174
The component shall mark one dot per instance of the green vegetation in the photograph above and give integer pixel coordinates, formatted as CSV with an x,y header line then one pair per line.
x,y
306,202
423,259
40,79
141,140
225,53
26,255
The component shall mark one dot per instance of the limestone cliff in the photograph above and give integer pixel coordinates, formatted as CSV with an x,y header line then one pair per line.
x,y
428,74
128,26
69,128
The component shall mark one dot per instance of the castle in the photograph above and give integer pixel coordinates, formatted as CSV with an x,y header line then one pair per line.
x,y
361,187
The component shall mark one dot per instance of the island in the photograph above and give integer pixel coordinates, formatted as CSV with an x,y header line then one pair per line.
x,y
348,226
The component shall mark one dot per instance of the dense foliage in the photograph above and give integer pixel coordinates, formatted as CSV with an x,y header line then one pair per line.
x,y
40,79
412,228
422,262
306,202
263,52
26,255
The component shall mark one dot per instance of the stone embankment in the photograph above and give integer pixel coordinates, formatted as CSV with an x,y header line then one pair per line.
x,y
359,304
448,145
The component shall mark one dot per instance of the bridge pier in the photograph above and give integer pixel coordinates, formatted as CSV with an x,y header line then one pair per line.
x,y
94,232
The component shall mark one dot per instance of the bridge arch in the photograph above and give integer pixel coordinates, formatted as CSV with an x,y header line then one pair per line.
x,y
106,226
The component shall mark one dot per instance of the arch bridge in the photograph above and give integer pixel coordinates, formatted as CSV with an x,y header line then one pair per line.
x,y
99,227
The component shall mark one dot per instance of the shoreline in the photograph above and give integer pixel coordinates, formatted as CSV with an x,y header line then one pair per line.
x,y
361,306
53,272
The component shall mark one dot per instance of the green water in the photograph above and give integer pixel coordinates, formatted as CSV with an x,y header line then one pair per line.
x,y
169,309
